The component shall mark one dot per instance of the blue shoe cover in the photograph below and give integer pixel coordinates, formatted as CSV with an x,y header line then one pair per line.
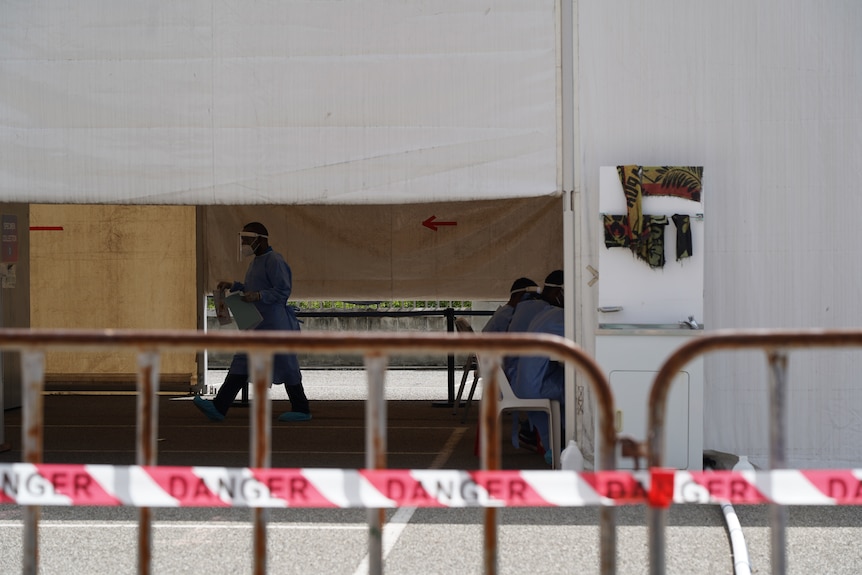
x,y
206,406
294,416
549,457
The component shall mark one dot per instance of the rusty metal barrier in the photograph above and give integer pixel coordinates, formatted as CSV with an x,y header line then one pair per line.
x,y
775,343
260,346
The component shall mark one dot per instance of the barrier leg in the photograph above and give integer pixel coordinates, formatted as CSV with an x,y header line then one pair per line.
x,y
261,448
375,452
777,453
32,433
148,418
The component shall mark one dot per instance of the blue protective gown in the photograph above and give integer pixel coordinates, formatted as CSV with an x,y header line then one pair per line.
x,y
499,322
526,310
538,376
270,275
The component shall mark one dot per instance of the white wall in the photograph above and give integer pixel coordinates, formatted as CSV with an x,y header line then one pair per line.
x,y
767,96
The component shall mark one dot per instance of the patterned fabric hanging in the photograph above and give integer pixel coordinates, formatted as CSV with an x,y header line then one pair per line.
x,y
644,234
630,177
680,181
683,236
649,247
653,249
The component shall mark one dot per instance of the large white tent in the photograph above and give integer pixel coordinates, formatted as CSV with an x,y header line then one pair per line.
x,y
382,102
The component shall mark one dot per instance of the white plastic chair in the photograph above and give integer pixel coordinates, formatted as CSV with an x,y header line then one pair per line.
x,y
510,402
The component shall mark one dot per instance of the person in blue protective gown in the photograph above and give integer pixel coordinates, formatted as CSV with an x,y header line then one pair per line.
x,y
522,289
539,377
523,433
523,314
268,283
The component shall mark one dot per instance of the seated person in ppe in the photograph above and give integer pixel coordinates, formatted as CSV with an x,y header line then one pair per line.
x,y
539,377
522,289
523,434
268,283
523,314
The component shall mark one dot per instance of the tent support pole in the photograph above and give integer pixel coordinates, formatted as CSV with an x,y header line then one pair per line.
x,y
569,175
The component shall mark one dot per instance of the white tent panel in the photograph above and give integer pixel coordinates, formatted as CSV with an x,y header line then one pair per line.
x,y
293,102
766,97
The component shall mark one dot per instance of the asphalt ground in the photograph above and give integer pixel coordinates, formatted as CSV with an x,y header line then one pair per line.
x,y
101,429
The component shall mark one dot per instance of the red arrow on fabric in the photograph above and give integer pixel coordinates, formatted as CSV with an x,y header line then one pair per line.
x,y
432,223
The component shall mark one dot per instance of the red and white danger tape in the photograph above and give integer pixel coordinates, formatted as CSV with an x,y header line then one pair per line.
x,y
138,486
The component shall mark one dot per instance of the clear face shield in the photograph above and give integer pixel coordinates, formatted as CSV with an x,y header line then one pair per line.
x,y
524,293
246,244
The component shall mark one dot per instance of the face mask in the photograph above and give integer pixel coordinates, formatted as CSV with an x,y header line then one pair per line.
x,y
557,299
561,299
246,250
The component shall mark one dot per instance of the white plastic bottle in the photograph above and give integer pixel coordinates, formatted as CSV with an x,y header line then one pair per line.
x,y
571,459
743,464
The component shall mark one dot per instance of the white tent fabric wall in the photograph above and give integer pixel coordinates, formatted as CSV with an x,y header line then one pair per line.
x,y
295,102
765,95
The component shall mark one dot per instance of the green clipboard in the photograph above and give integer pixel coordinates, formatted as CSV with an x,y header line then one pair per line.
x,y
245,314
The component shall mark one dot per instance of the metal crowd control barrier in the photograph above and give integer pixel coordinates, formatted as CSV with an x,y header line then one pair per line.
x,y
260,345
775,343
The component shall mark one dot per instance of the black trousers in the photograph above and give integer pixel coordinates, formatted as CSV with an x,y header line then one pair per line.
x,y
234,383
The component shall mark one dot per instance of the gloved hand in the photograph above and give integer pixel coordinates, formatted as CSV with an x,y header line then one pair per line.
x,y
251,296
224,285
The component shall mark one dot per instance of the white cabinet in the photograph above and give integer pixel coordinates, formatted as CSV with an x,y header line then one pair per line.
x,y
630,359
